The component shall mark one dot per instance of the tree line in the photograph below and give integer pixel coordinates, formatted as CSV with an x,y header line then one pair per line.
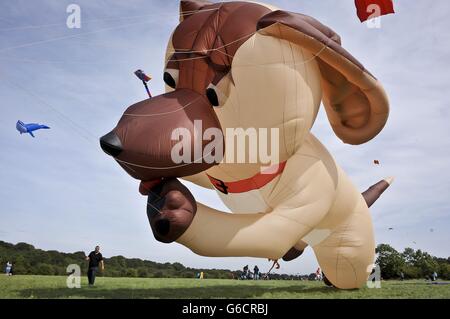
x,y
414,264
28,260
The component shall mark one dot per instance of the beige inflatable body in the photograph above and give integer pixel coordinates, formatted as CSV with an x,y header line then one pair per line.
x,y
275,76
277,83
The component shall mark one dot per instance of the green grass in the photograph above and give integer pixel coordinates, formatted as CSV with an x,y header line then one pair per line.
x,y
55,287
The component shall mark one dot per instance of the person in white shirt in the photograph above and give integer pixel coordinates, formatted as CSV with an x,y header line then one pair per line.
x,y
8,268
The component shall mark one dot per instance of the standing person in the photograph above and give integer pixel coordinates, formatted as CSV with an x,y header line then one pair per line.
x,y
435,276
318,274
402,276
95,259
8,268
255,272
245,274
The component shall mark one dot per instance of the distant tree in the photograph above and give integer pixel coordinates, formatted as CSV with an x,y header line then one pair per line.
x,y
178,266
20,265
444,271
24,246
120,261
131,272
390,261
142,272
412,272
78,255
32,261
426,263
44,269
409,255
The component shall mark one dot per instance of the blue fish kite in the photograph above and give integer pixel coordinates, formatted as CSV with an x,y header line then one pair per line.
x,y
29,128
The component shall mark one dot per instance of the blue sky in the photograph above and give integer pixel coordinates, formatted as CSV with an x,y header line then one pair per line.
x,y
60,191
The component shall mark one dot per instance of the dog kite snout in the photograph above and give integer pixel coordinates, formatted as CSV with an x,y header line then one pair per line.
x,y
111,144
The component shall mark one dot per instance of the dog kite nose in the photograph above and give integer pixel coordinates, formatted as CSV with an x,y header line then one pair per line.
x,y
110,144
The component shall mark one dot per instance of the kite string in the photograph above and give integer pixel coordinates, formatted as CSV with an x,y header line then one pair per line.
x,y
167,167
185,51
85,33
79,127
62,62
106,19
87,134
63,115
29,44
315,55
147,189
275,262
175,60
164,113
218,49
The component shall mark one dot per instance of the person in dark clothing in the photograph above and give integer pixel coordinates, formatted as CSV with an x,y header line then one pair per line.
x,y
95,260
255,273
245,274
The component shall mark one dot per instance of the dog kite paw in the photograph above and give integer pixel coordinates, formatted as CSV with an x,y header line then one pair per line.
x,y
292,254
170,210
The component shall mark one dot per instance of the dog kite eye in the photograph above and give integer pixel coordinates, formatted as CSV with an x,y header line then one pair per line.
x,y
171,77
212,96
217,94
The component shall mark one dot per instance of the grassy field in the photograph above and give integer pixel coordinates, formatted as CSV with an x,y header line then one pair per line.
x,y
55,287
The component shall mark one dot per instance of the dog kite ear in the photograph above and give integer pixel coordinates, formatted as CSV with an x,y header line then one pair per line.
x,y
355,102
189,7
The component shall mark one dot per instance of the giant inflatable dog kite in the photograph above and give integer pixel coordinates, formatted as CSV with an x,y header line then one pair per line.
x,y
244,67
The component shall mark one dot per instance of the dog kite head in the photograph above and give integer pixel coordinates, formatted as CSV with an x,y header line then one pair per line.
x,y
243,65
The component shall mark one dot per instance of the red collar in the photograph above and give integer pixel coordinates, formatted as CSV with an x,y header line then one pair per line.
x,y
256,182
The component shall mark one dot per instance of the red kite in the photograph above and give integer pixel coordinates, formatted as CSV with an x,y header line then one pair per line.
x,y
376,162
366,9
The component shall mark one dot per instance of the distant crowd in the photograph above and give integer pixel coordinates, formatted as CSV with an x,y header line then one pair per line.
x,y
247,274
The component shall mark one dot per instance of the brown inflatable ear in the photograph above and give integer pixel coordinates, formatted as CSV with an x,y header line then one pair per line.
x,y
189,7
355,102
